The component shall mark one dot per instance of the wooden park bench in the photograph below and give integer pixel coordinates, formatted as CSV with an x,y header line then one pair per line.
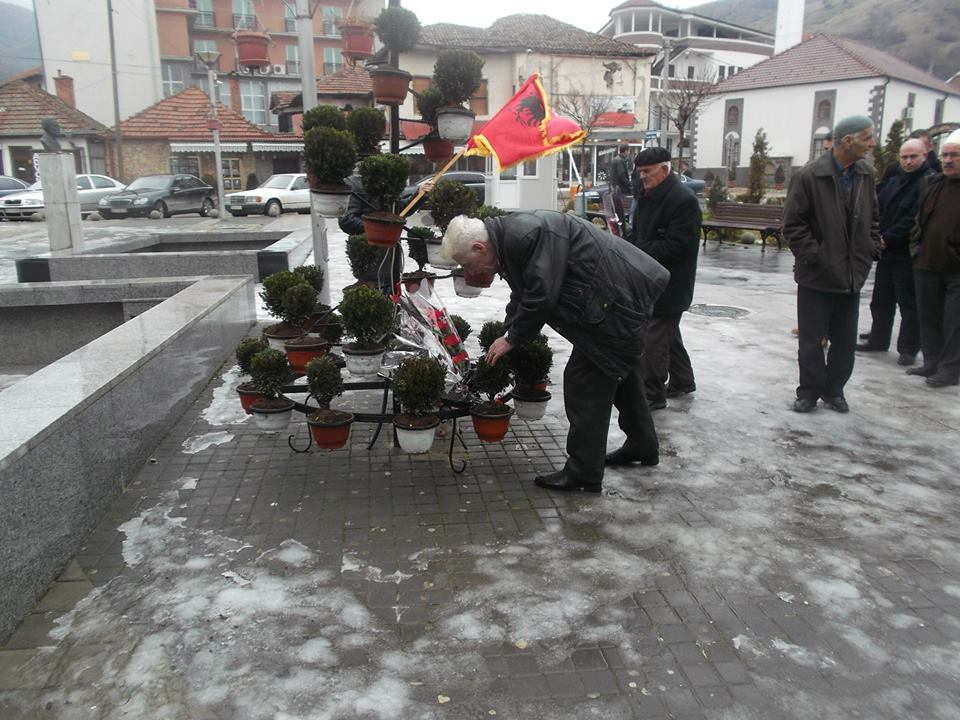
x,y
765,219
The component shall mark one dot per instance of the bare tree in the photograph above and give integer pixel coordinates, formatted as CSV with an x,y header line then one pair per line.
x,y
584,109
682,100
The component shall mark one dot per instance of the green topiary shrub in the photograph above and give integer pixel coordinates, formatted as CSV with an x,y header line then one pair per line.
x,y
329,325
457,74
717,194
448,199
398,28
367,316
246,349
366,260
417,243
299,302
428,103
462,326
310,274
368,126
489,380
488,211
324,116
384,178
418,385
270,371
530,363
324,380
330,155
489,332
274,288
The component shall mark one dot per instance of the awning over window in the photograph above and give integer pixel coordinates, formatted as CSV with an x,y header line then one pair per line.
x,y
292,147
205,147
415,150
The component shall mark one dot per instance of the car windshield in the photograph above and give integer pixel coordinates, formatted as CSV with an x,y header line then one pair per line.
x,y
279,182
150,182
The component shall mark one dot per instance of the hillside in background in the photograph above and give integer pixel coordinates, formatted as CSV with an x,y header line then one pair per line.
x,y
925,33
19,44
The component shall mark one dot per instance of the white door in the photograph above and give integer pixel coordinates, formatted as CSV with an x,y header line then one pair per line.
x,y
502,191
299,193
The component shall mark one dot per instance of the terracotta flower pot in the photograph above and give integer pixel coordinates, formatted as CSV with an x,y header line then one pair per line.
x,y
252,48
248,396
390,86
281,333
302,350
330,428
383,229
491,423
357,40
437,151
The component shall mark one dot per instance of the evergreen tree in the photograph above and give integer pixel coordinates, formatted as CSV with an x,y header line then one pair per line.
x,y
757,184
889,153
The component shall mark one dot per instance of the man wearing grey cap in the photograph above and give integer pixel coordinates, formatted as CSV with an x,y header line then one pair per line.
x,y
831,222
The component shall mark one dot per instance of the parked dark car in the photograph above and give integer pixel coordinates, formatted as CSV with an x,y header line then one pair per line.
x,y
697,186
473,180
10,185
167,194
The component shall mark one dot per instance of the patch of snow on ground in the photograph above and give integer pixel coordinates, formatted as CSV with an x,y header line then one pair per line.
x,y
801,655
224,408
193,445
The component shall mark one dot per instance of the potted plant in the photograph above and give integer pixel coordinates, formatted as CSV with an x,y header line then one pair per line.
x,y
417,250
460,286
448,199
462,327
270,372
435,148
399,29
324,116
357,33
312,275
530,364
367,317
246,349
299,304
274,290
490,331
326,324
490,418
330,155
488,211
384,178
418,386
252,48
368,263
457,75
368,126
330,428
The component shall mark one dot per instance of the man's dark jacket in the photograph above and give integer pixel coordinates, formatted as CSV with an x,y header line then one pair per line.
x,y
358,204
898,209
943,257
666,226
591,287
619,174
833,242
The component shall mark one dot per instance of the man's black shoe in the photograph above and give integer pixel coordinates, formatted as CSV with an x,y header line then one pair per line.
x,y
907,359
940,380
838,403
867,347
627,456
656,403
674,392
804,405
562,480
922,371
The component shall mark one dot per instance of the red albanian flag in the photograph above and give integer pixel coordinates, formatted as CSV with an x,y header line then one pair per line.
x,y
525,128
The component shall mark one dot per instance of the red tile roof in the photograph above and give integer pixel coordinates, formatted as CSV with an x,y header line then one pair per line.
x,y
348,80
184,117
282,99
615,120
540,33
22,107
828,58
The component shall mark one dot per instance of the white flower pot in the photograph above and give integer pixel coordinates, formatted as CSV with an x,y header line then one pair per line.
x,y
329,204
272,420
463,290
436,258
532,408
454,123
363,364
416,442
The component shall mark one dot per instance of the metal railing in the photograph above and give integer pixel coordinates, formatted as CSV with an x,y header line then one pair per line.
x,y
245,22
293,67
204,19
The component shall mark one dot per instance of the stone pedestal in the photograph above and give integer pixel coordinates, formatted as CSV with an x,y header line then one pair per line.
x,y
321,250
61,201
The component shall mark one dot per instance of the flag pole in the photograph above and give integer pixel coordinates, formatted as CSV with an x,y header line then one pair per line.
x,y
436,177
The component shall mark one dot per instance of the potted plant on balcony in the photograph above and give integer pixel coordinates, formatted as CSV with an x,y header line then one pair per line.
x,y
368,126
435,149
399,29
384,178
530,366
330,155
324,116
299,304
270,372
418,385
490,418
457,74
357,33
252,48
274,289
246,349
367,317
330,428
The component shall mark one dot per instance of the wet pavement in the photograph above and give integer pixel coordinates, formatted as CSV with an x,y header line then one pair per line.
x,y
772,566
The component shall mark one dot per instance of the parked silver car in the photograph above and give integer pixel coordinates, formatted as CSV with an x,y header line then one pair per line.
x,y
90,188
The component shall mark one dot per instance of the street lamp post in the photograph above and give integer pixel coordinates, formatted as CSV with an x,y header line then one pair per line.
x,y
210,58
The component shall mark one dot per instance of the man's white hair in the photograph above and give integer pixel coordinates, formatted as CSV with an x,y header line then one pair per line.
x,y
953,138
461,233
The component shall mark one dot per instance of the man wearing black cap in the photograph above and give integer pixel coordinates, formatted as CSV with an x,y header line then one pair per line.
x,y
666,226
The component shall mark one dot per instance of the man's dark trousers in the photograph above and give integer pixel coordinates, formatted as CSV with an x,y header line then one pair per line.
x,y
665,357
832,316
938,301
893,286
588,396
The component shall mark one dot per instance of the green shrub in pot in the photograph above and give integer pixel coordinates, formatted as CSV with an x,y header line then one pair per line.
x,y
418,386
330,155
324,116
490,331
368,316
368,126
246,349
398,28
462,326
448,199
330,428
385,178
457,74
417,238
270,372
530,363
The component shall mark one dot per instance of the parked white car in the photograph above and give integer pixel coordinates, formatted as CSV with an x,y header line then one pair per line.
x,y
287,192
90,188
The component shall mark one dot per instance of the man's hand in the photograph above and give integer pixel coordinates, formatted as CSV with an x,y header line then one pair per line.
x,y
500,347
428,186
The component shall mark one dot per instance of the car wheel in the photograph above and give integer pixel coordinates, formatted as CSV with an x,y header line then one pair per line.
x,y
205,207
273,204
161,207
238,214
106,214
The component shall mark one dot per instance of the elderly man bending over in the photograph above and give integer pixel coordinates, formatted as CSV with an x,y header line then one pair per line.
x,y
594,289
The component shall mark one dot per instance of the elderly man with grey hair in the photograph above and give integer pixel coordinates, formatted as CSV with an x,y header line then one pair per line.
x,y
831,221
596,290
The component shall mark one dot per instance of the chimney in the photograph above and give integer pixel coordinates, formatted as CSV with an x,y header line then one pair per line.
x,y
64,85
789,25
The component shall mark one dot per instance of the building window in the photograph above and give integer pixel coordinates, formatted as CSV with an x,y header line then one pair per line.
x,y
185,165
204,16
723,72
671,71
824,110
332,60
290,18
731,153
230,168
223,89
478,101
733,116
690,72
938,111
529,169
244,16
253,101
293,59
332,16
205,46
172,77
731,71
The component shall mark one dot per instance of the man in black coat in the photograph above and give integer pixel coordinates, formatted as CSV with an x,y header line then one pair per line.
x,y
831,222
618,175
666,226
596,290
893,281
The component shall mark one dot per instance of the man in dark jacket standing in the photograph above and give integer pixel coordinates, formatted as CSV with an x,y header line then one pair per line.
x,y
666,226
618,175
893,280
936,250
596,290
831,222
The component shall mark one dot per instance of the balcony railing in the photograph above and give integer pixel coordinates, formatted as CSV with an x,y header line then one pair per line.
x,y
245,22
290,24
331,29
204,19
293,67
330,68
